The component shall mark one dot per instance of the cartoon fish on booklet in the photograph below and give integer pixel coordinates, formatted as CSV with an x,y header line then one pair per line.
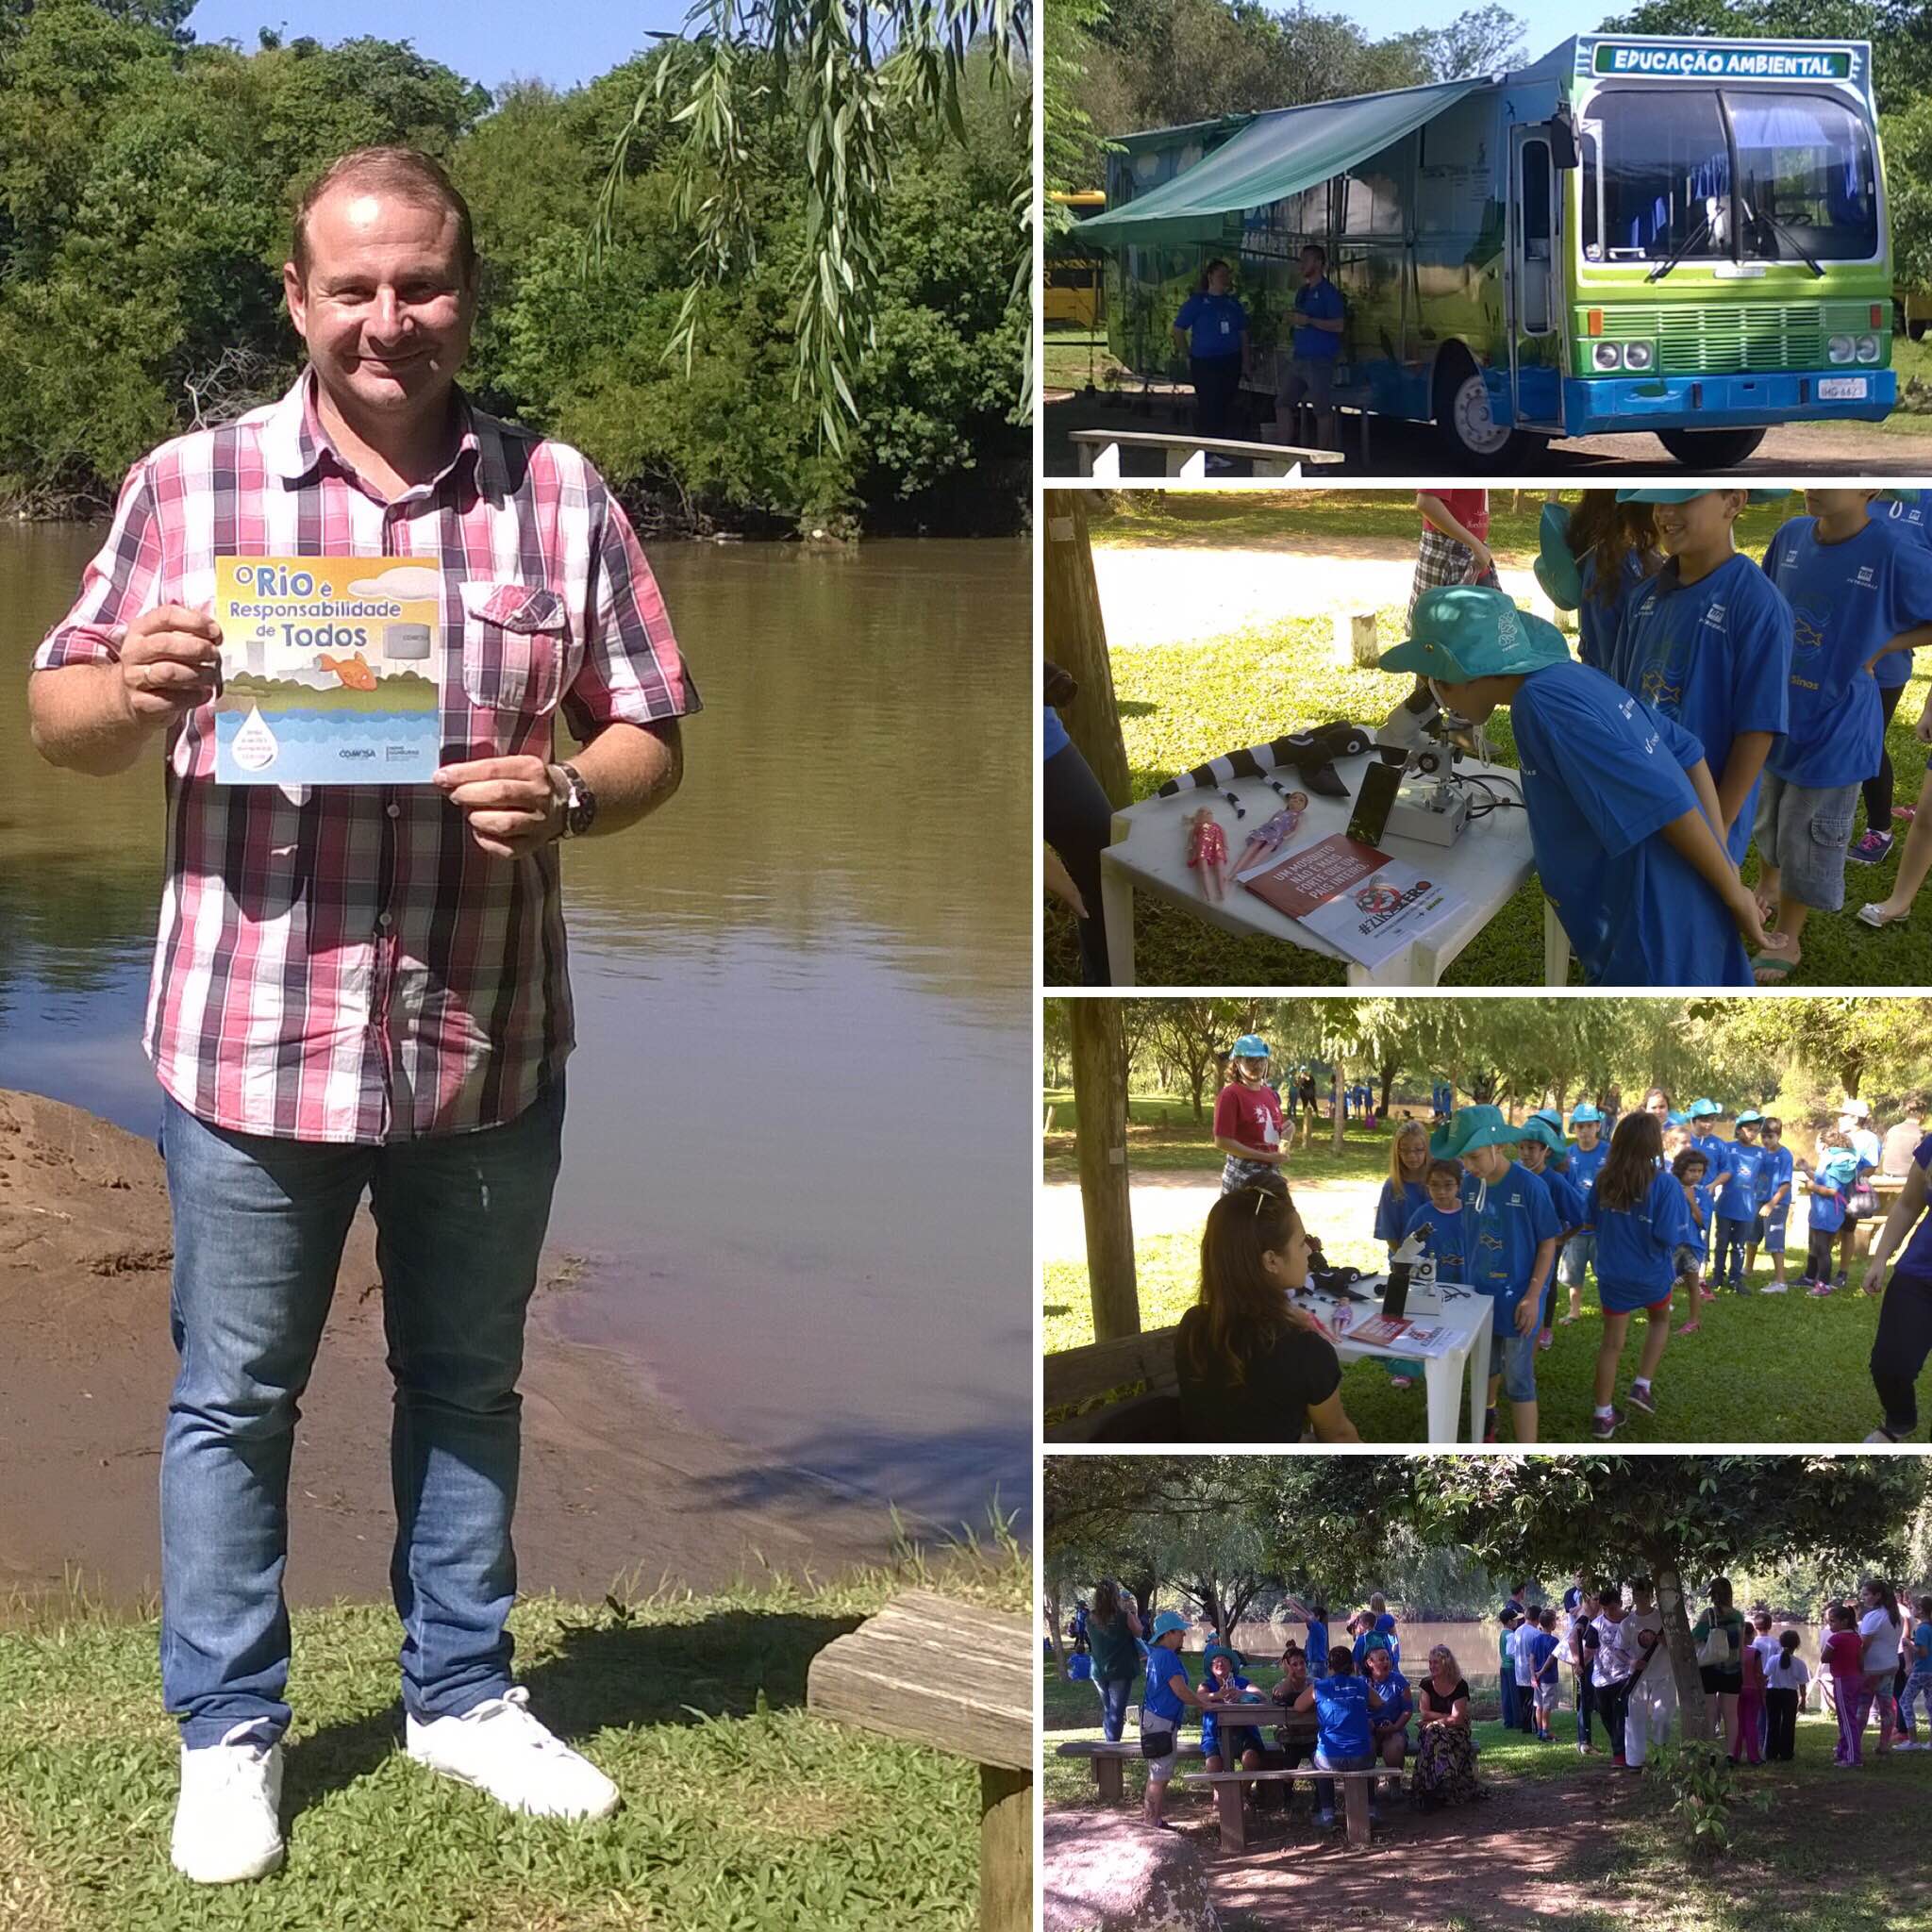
x,y
353,670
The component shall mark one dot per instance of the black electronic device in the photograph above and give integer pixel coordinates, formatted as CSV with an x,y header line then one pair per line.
x,y
1395,1296
1374,802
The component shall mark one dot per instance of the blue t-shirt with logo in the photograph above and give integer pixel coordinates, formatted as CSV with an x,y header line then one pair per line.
x,y
1910,519
1239,1737
1443,1242
1163,1666
1603,774
1717,1152
1827,1206
1319,301
1921,1650
1599,618
1586,1163
1715,656
1543,1657
1916,1257
1566,1197
1505,1223
1774,1171
1391,1701
1634,1246
1847,600
1397,1206
1739,1201
1341,1709
1215,325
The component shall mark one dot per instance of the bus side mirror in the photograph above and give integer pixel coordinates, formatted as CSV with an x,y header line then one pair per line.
x,y
1563,144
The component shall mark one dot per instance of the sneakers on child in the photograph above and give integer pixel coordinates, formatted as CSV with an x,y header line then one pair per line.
x,y
1883,1436
500,1748
1774,1287
227,1824
1820,1288
1840,1279
1601,1427
1873,848
1641,1397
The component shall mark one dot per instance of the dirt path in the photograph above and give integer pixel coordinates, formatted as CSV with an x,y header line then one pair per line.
x,y
1160,595
1175,1202
611,1481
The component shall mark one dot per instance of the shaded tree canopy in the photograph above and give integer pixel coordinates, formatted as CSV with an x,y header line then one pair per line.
x,y
146,183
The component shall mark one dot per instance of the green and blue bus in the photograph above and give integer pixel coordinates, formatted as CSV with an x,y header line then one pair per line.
x,y
1687,237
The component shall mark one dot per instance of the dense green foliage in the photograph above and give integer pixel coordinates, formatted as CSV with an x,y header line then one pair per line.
x,y
146,188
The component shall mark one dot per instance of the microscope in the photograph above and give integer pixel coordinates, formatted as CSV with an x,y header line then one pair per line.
x,y
1419,751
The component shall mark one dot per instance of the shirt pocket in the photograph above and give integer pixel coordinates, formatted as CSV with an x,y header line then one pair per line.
x,y
515,641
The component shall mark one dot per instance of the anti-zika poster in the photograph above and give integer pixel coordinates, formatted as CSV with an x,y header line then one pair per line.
x,y
330,670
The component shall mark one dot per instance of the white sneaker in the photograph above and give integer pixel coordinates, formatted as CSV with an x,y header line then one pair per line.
x,y
1776,1288
227,1826
500,1748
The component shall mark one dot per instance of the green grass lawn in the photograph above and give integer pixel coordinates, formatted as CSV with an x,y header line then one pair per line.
x,y
1162,1132
1763,1367
741,1811
1074,357
1827,1853
1181,703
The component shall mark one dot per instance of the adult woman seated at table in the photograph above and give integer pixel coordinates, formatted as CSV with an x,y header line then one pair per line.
x,y
1254,1368
1445,1749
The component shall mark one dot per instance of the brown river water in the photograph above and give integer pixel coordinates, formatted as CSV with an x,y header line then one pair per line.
x,y
798,1159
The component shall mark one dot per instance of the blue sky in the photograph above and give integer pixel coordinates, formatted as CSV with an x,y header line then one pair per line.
x,y
1547,24
487,41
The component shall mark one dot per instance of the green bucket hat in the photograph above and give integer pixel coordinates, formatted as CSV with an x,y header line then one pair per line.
x,y
1703,1110
1556,567
1536,1128
1461,631
1473,1127
1585,1112
1686,495
1749,1117
1215,1650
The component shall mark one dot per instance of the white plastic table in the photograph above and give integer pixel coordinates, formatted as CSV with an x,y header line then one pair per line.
x,y
1464,1310
1485,866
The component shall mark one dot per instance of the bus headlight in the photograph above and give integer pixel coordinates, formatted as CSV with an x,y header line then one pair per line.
x,y
1607,355
1637,354
1868,348
1840,349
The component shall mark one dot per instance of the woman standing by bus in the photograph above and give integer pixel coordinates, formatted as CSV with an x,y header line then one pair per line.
x,y
1211,331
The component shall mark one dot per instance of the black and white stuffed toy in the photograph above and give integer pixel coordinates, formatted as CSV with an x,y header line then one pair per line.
x,y
1310,754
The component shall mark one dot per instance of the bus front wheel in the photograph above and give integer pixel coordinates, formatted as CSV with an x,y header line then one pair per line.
x,y
1710,449
1469,431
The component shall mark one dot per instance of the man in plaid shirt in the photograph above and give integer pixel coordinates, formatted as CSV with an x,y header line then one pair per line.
x,y
365,988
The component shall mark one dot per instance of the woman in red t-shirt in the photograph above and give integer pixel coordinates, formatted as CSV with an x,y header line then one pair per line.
x,y
1455,546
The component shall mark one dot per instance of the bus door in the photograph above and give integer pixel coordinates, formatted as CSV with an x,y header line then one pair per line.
x,y
1534,282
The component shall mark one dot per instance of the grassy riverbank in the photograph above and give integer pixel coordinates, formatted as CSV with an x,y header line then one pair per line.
x,y
741,1810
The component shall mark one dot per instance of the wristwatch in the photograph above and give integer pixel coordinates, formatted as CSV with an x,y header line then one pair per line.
x,y
579,801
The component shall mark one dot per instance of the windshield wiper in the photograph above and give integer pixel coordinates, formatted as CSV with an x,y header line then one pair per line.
x,y
1791,238
1690,242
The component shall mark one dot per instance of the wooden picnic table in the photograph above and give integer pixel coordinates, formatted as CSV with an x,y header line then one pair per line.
x,y
955,1678
1108,1758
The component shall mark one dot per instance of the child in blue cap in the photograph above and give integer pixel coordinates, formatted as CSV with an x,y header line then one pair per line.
x,y
1165,1700
1860,590
1542,1150
1708,643
1638,1213
1736,1206
1774,1173
1586,1157
1622,815
1511,1238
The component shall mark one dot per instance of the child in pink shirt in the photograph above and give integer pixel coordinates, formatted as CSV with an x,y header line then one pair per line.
x,y
1843,1655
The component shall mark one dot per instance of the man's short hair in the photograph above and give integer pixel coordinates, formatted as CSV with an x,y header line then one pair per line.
x,y
1316,249
404,172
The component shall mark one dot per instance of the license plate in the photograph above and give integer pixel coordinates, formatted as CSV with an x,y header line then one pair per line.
x,y
1842,389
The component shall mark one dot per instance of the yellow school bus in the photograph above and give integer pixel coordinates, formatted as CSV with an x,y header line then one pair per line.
x,y
1076,292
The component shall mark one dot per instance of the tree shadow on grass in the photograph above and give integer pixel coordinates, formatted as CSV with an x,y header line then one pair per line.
x,y
607,1674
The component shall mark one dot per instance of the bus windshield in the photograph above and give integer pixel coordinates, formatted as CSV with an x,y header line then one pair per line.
x,y
1662,164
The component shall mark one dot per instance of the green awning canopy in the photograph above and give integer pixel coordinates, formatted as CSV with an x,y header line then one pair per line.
x,y
1276,154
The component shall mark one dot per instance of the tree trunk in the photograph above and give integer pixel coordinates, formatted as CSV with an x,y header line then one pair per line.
x,y
1054,1621
1197,1076
1100,1100
1693,1713
1339,1137
1388,1088
1076,639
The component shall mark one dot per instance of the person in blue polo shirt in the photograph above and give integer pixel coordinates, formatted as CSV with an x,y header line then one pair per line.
x,y
1707,643
1587,1156
1318,325
1212,331
1510,1239
1541,1149
1860,591
1704,1116
1775,1171
1344,1738
1622,815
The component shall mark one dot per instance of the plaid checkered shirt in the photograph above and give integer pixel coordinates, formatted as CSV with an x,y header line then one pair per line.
x,y
342,963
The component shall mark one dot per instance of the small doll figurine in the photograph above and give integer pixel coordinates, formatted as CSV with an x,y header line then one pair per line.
x,y
1207,851
1268,838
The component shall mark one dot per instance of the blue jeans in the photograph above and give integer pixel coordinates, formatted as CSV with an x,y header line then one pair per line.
x,y
1728,1266
260,1225
1114,1694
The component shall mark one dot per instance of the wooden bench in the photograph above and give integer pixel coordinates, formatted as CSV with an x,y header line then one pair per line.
x,y
1299,1727
1075,1376
957,1678
1230,1801
1185,457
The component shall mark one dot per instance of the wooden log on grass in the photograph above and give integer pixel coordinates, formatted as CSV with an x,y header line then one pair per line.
x,y
1354,640
957,1678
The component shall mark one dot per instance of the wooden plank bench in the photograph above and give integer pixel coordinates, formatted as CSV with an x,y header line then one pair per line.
x,y
1230,1806
1185,457
1299,1727
1075,1376
954,1678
